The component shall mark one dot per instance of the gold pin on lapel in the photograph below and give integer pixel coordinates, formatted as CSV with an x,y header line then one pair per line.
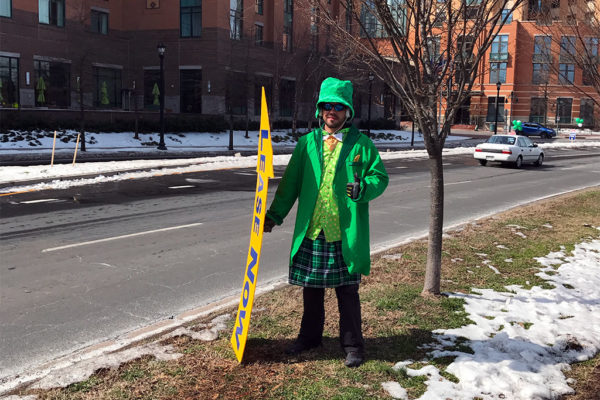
x,y
357,158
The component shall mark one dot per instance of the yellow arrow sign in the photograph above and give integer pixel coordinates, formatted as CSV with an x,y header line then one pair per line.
x,y
264,168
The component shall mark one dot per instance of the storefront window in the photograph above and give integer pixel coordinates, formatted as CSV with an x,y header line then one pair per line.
x,y
287,93
151,89
191,90
52,84
108,87
9,82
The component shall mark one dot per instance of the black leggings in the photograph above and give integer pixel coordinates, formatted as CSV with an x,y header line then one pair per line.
x,y
313,319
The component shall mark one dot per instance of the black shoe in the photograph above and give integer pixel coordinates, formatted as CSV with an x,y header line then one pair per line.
x,y
299,347
354,359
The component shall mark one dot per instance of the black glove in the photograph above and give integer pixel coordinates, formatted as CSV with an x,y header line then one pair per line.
x,y
269,224
353,188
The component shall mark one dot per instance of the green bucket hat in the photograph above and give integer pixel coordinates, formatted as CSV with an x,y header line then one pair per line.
x,y
334,90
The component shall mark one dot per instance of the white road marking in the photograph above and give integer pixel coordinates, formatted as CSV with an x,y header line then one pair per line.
x,y
400,167
181,187
192,180
456,183
38,201
119,237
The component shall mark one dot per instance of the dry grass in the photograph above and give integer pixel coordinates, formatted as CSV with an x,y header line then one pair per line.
x,y
396,320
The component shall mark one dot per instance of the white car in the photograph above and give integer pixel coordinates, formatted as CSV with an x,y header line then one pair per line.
x,y
514,149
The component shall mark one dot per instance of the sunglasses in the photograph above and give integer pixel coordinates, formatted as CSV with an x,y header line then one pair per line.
x,y
331,106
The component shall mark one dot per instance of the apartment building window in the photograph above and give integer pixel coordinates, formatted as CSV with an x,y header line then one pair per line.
x,y
491,111
537,111
6,8
9,81
190,89
498,58
499,51
541,58
567,49
236,95
368,18
541,48
507,16
589,77
314,29
258,35
235,19
349,12
99,22
586,111
433,47
564,106
108,87
439,16
465,45
259,6
287,95
566,73
52,12
288,25
472,8
590,72
591,49
52,84
190,16
541,72
151,89
498,72
259,83
398,11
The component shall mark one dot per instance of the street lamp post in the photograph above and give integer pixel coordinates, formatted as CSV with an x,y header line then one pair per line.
x,y
161,55
371,77
513,100
496,116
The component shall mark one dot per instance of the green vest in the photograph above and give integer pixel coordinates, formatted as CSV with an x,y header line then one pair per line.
x,y
302,181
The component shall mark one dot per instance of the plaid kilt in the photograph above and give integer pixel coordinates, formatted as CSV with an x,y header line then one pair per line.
x,y
320,264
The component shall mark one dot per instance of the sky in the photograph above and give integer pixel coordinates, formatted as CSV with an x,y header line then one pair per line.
x,y
522,339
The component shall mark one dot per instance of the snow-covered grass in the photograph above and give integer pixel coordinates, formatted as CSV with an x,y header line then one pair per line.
x,y
521,340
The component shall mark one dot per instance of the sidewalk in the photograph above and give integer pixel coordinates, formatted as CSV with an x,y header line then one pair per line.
x,y
214,144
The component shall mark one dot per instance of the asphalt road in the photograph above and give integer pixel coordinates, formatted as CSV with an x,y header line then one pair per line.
x,y
86,264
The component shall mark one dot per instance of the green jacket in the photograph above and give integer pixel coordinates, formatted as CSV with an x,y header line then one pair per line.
x,y
302,179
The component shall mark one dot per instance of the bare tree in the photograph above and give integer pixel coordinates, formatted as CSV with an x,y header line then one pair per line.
x,y
422,49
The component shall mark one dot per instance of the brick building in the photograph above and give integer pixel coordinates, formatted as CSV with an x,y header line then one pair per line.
x,y
56,53
536,60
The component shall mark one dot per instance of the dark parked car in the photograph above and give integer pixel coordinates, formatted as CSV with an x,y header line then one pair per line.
x,y
535,129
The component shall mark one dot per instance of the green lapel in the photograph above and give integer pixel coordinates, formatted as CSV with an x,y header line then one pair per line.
x,y
315,153
347,145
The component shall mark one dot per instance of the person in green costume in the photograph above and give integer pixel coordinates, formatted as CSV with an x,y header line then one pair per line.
x,y
333,172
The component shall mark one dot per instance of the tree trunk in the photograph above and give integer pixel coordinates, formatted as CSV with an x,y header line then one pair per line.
x,y
436,222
